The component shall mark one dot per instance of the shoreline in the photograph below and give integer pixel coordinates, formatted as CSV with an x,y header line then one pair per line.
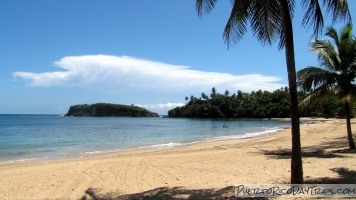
x,y
48,155
170,145
153,147
207,166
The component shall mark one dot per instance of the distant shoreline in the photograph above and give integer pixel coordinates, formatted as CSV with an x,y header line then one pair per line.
x,y
108,110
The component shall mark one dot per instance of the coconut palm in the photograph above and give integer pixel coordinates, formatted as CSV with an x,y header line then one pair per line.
x,y
338,59
271,20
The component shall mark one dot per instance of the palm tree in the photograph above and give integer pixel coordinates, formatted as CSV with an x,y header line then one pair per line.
x,y
204,96
338,58
213,93
271,20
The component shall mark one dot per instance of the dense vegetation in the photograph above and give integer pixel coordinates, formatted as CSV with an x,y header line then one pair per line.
x,y
109,110
257,104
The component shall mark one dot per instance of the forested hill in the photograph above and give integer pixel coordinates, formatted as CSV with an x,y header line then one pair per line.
x,y
257,104
109,110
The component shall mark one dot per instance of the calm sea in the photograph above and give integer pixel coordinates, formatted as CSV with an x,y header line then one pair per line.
x,y
26,137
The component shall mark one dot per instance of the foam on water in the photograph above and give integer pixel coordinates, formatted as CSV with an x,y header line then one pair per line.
x,y
165,145
247,135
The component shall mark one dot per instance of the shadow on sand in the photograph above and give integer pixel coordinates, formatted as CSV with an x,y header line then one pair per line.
x,y
334,149
346,176
166,193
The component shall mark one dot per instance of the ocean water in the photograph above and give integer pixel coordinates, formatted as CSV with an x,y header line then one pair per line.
x,y
27,137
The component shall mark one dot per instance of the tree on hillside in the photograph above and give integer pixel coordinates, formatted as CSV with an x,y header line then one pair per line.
x,y
213,93
271,20
338,59
204,96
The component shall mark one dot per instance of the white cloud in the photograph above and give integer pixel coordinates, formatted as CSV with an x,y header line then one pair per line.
x,y
123,72
160,107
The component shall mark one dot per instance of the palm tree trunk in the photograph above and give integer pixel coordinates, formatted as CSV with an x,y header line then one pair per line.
x,y
296,163
348,126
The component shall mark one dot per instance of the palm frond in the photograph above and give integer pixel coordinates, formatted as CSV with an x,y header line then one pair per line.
x,y
327,54
323,92
311,78
265,20
313,15
332,33
339,9
204,6
352,66
347,56
235,27
346,33
281,31
347,48
291,8
282,40
351,96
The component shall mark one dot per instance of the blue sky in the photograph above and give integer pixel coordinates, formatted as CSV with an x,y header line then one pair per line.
x,y
54,54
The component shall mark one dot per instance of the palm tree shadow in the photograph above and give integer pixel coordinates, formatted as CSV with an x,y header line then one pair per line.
x,y
346,176
337,148
167,193
317,153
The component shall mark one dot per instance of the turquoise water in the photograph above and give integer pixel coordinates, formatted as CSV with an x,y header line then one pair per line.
x,y
26,137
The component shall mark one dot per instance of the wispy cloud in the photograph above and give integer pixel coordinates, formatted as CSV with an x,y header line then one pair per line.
x,y
114,72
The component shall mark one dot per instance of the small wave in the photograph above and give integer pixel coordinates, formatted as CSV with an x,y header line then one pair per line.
x,y
25,159
272,128
246,135
164,145
94,152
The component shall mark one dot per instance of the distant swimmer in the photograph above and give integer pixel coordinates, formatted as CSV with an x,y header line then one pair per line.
x,y
225,126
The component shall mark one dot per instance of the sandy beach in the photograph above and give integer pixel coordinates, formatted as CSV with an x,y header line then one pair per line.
x,y
204,170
